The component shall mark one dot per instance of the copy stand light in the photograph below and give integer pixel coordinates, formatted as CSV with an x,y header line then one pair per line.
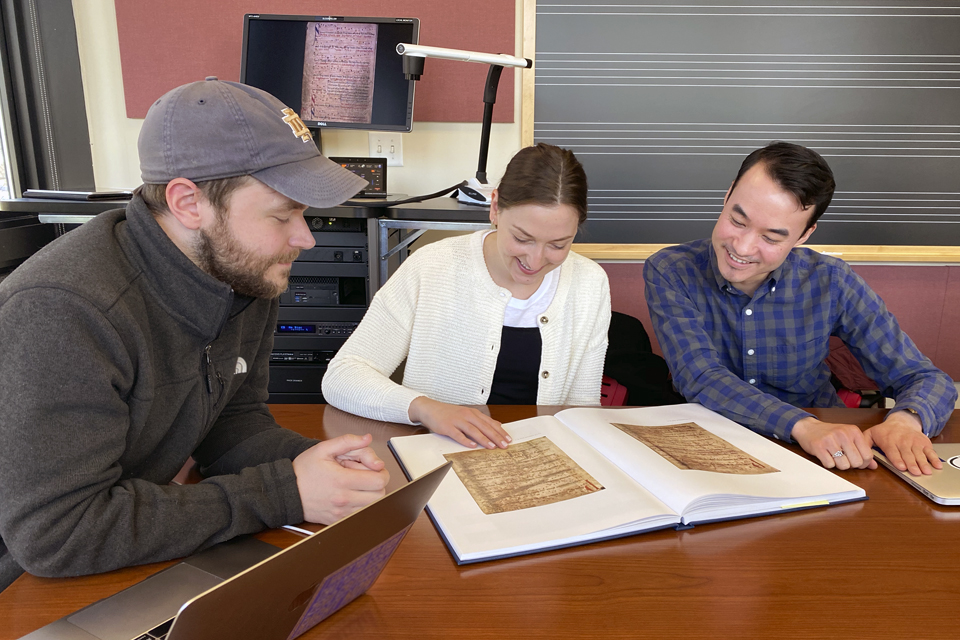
x,y
476,190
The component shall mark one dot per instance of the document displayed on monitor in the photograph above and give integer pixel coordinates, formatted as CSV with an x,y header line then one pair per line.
x,y
337,72
339,66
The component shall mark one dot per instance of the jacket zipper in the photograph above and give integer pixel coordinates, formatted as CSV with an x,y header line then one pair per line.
x,y
209,372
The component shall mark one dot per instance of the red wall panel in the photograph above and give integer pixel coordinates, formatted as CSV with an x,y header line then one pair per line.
x,y
915,295
166,44
626,294
948,346
925,300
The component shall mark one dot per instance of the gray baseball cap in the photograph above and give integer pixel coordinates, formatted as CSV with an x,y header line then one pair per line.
x,y
215,129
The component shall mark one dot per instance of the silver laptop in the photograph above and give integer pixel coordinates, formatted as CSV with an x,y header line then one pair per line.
x,y
247,588
943,487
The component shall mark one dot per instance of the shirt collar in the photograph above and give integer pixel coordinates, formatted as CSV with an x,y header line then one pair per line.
x,y
777,274
713,269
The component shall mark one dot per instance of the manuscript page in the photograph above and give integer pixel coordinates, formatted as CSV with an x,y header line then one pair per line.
x,y
690,446
706,489
339,64
529,474
529,513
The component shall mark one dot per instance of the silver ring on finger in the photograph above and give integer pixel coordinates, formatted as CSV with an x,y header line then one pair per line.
x,y
838,454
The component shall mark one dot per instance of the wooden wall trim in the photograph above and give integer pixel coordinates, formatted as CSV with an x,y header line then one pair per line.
x,y
528,78
849,253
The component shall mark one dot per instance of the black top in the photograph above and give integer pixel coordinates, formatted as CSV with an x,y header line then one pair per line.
x,y
517,376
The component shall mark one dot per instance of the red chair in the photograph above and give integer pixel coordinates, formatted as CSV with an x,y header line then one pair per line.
x,y
849,398
853,386
612,393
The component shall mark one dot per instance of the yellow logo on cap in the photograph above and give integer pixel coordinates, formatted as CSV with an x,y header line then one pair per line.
x,y
296,124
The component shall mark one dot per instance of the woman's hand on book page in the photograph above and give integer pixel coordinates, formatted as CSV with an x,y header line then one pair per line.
x,y
903,442
336,477
843,446
466,425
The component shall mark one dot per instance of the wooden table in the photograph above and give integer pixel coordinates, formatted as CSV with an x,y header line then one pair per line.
x,y
885,568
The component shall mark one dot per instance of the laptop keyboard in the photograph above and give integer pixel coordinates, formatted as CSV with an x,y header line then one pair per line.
x,y
157,633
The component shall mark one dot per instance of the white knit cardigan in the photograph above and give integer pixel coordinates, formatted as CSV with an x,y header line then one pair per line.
x,y
443,312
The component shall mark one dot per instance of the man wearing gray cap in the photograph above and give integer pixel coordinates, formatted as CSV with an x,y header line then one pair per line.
x,y
143,338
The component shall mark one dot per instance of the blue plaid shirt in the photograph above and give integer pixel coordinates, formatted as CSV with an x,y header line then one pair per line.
x,y
755,359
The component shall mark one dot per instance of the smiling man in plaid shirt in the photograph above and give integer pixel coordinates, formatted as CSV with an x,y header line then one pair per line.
x,y
744,319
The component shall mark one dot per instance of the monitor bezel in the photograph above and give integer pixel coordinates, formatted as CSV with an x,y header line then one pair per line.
x,y
318,124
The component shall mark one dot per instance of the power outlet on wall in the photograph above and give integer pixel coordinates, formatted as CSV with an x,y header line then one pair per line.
x,y
389,146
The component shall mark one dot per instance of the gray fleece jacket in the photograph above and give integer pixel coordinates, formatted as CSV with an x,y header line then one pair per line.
x,y
119,359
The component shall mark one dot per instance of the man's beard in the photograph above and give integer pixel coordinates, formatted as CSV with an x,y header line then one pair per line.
x,y
220,255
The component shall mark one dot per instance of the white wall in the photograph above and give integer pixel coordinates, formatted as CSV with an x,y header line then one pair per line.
x,y
435,154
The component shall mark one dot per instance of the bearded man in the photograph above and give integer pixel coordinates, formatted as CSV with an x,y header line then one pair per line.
x,y
144,337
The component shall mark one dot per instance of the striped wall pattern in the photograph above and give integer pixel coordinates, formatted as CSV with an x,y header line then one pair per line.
x,y
661,102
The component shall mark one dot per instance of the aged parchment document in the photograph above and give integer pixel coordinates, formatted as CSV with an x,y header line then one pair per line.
x,y
339,63
690,446
526,474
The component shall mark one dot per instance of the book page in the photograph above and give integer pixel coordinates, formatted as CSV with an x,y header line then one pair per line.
x,y
339,64
528,474
621,505
798,480
690,446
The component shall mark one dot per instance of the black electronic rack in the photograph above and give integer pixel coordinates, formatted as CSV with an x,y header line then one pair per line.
x,y
327,297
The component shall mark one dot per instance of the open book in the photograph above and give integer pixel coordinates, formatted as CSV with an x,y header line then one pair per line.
x,y
594,474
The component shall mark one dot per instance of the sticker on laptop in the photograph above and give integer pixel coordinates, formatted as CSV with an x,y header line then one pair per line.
x,y
344,585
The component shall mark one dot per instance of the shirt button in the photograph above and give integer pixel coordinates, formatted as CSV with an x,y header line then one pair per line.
x,y
773,288
749,352
544,320
753,381
545,375
749,312
503,295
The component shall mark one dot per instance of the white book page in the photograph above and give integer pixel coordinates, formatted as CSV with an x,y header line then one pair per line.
x,y
473,533
797,480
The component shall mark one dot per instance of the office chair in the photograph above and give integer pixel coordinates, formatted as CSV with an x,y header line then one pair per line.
x,y
853,386
631,365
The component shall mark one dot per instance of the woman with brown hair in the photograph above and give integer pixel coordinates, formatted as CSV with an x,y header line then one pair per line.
x,y
504,316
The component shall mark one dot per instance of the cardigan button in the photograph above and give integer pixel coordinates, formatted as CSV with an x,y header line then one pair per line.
x,y
544,319
545,375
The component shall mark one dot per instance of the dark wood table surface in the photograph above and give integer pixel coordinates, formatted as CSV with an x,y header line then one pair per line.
x,y
888,567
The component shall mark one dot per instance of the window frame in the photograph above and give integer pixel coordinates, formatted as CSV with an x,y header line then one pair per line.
x,y
47,139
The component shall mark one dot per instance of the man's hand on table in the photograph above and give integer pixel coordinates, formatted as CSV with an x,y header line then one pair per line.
x,y
902,441
900,437
336,477
824,439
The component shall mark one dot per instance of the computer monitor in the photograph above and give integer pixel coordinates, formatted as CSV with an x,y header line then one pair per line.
x,y
337,72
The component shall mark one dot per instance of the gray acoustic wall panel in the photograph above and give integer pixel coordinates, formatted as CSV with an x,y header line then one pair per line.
x,y
661,102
